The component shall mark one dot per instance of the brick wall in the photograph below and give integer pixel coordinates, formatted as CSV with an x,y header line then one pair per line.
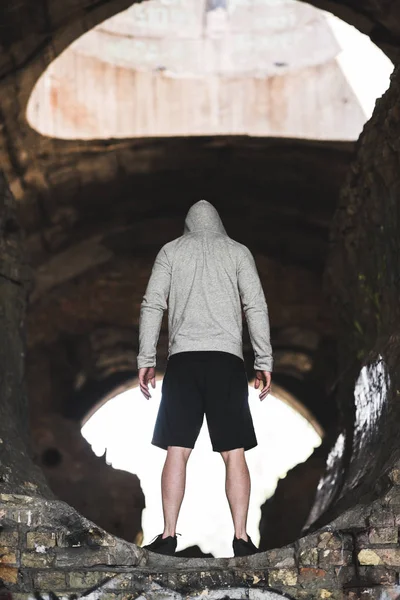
x,y
48,549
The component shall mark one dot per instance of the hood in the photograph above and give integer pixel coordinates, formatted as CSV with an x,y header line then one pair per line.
x,y
203,215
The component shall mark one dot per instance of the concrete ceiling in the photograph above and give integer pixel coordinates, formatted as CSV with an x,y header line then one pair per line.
x,y
258,68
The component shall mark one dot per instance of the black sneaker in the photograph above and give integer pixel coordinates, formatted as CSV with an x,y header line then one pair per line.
x,y
243,548
163,546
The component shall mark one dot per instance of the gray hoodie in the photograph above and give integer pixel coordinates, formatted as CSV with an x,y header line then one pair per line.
x,y
202,277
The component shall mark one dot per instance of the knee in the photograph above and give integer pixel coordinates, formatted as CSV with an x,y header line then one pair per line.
x,y
179,454
230,456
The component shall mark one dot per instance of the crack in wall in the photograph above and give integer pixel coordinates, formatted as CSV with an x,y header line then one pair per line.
x,y
11,279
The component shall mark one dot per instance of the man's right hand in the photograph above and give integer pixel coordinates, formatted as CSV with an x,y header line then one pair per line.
x,y
147,375
265,377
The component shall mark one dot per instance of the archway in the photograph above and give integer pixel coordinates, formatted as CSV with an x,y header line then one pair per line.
x,y
256,68
361,337
121,429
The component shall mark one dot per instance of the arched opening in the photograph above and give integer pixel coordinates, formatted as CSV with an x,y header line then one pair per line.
x,y
173,68
122,427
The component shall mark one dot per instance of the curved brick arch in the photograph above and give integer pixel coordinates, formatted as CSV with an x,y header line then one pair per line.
x,y
357,551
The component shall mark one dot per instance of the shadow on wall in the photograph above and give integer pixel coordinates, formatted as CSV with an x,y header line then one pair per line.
x,y
284,515
119,499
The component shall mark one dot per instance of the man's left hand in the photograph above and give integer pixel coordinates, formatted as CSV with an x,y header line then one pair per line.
x,y
146,375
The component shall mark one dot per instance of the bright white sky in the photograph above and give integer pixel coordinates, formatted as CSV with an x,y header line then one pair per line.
x,y
366,67
124,426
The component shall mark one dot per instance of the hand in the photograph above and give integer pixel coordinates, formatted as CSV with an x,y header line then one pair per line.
x,y
265,377
147,374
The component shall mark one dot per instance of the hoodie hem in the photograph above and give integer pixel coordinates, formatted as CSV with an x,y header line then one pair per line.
x,y
192,346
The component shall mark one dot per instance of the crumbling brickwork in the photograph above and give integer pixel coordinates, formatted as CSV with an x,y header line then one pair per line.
x,y
47,548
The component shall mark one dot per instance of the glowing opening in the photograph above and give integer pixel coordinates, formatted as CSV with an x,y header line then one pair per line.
x,y
199,67
123,428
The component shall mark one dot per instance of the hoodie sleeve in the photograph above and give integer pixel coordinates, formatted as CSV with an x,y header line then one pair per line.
x,y
256,311
152,309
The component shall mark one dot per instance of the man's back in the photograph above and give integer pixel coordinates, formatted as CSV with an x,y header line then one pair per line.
x,y
203,277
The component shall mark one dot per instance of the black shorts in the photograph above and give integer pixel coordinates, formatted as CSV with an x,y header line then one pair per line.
x,y
211,383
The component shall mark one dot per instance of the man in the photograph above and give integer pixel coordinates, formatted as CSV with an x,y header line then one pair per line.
x,y
205,276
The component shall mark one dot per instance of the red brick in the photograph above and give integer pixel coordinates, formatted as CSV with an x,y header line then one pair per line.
x,y
308,573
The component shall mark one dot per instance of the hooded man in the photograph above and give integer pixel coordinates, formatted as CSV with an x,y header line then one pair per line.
x,y
207,278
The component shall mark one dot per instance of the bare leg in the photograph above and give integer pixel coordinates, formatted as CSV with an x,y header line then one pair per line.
x,y
237,487
173,482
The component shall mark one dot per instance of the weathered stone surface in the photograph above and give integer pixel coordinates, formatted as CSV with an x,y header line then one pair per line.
x,y
16,467
377,575
307,574
282,557
21,500
388,556
332,541
395,476
308,542
346,576
369,557
199,574
93,537
120,581
8,556
172,577
9,538
88,557
384,535
46,539
235,594
260,595
27,516
308,557
8,574
380,556
323,593
392,497
49,580
381,517
66,595
334,557
283,577
371,593
84,579
362,538
83,557
354,518
36,560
